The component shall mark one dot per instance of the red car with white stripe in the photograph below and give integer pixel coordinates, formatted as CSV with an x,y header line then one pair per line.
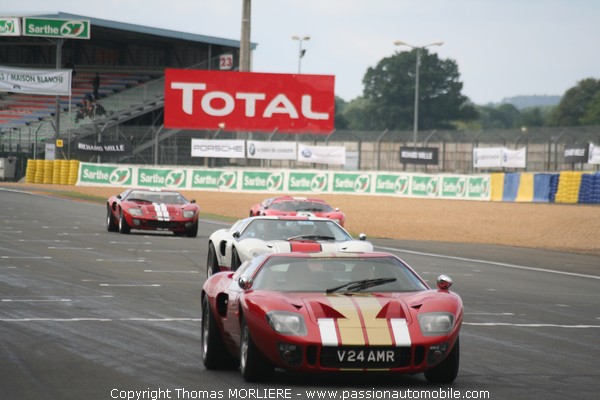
x,y
294,205
330,312
152,210
229,248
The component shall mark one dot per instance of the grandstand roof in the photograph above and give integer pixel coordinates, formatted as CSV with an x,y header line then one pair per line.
x,y
140,29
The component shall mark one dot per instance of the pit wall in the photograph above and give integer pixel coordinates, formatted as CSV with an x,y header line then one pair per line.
x,y
573,187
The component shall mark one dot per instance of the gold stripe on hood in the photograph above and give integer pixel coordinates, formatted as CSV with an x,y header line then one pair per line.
x,y
350,328
378,330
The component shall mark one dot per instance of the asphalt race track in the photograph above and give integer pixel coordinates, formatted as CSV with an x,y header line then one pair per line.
x,y
88,314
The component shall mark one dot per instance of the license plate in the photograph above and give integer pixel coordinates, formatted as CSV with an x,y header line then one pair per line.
x,y
365,357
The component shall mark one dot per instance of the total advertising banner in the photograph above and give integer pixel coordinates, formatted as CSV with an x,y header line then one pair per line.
x,y
514,158
308,182
218,148
272,150
576,153
249,101
56,82
322,154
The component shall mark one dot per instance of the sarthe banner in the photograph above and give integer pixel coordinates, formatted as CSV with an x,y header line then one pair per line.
x,y
56,82
322,154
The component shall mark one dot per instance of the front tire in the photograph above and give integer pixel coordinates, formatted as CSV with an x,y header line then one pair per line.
x,y
447,370
193,231
212,262
123,227
214,353
235,260
253,366
111,224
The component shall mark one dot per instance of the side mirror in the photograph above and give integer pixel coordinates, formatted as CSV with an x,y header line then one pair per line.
x,y
245,283
337,209
119,197
236,235
362,236
444,282
193,201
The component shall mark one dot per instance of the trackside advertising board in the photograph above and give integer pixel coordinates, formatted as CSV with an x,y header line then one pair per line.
x,y
282,181
249,101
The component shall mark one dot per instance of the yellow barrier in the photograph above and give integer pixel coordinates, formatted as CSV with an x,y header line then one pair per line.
x,y
48,168
73,172
497,181
30,173
568,187
525,192
39,171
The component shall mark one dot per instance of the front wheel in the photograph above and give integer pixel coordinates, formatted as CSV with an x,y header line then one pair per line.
x,y
253,365
212,262
447,370
123,227
111,224
214,353
193,231
235,260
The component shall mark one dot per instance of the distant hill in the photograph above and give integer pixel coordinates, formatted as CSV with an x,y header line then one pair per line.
x,y
522,102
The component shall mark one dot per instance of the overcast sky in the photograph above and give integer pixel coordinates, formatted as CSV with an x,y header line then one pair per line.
x,y
503,48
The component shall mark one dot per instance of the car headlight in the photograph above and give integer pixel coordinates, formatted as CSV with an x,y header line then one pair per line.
x,y
188,213
287,323
136,212
436,324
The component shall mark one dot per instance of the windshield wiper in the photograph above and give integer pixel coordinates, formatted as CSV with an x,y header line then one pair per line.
x,y
356,286
311,237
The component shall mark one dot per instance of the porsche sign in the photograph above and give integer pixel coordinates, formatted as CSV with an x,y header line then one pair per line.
x,y
247,101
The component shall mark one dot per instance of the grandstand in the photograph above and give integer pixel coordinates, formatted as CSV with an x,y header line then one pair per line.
x,y
130,60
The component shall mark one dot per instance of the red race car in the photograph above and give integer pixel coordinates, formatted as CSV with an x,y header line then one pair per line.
x,y
150,209
328,312
289,205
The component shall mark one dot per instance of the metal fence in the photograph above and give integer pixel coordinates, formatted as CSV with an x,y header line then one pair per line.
x,y
372,151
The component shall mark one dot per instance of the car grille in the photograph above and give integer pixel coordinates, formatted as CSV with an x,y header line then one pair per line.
x,y
162,224
352,357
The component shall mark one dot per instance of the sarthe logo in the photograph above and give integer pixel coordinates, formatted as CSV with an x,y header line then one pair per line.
x,y
175,178
318,183
227,180
72,28
275,181
119,176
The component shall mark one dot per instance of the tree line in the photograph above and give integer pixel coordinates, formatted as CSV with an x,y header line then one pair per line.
x,y
388,99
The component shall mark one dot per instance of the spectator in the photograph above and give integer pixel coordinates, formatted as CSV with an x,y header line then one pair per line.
x,y
96,86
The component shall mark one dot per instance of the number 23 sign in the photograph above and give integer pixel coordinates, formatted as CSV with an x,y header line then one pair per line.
x,y
226,61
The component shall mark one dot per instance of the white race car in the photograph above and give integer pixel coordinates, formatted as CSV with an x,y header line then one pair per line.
x,y
229,248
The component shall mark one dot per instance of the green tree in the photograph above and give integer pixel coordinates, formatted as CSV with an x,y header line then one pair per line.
x,y
389,89
576,106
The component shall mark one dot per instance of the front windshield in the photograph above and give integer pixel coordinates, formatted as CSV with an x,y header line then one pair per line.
x,y
295,274
301,206
156,197
277,229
